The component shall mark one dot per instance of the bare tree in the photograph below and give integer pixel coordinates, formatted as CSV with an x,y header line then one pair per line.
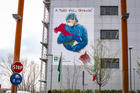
x,y
72,76
99,53
5,66
30,73
30,76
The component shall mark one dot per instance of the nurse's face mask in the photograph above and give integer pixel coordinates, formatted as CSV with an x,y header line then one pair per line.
x,y
70,23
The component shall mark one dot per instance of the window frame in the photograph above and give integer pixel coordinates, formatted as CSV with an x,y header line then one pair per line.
x,y
109,30
110,8
110,64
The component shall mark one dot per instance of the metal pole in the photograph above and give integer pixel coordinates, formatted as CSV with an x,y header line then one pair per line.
x,y
125,86
130,70
51,74
15,91
83,80
61,77
134,78
46,65
18,38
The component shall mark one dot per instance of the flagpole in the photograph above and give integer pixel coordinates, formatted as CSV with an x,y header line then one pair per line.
x,y
83,81
59,69
61,72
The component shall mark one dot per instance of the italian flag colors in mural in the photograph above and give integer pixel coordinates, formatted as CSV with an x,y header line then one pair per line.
x,y
85,58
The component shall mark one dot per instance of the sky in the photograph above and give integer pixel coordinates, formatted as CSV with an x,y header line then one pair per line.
x,y
31,30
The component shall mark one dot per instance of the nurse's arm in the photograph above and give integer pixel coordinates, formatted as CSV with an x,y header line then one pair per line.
x,y
63,39
83,43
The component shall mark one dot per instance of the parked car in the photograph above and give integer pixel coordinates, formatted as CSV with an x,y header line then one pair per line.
x,y
9,91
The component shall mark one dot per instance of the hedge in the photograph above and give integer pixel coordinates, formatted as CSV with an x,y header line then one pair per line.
x,y
114,91
90,91
71,91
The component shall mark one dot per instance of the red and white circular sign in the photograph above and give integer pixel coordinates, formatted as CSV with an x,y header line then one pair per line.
x,y
17,67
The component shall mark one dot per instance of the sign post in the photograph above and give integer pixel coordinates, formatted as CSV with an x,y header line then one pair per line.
x,y
18,37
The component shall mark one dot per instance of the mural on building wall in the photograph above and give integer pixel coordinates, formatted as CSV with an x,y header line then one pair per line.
x,y
73,32
73,35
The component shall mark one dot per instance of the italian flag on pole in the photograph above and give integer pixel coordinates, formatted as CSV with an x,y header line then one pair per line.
x,y
95,65
59,68
94,69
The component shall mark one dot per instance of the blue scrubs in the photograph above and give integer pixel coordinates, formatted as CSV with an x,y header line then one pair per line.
x,y
78,30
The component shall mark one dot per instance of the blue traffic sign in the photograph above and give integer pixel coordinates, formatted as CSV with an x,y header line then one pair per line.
x,y
16,79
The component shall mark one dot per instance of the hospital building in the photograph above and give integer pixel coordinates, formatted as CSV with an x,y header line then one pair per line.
x,y
102,19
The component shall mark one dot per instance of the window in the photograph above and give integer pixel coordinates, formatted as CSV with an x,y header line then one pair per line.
x,y
109,34
109,10
110,63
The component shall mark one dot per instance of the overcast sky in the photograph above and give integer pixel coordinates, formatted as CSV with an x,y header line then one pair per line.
x,y
31,31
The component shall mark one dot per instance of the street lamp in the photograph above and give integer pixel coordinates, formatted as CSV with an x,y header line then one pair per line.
x,y
49,55
134,77
51,72
130,69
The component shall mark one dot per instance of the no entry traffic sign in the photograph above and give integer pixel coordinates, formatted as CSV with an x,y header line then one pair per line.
x,y
17,67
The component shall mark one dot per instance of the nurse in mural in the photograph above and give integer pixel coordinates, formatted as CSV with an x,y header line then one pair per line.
x,y
73,35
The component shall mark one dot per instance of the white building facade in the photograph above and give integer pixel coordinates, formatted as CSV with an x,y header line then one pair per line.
x,y
107,27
